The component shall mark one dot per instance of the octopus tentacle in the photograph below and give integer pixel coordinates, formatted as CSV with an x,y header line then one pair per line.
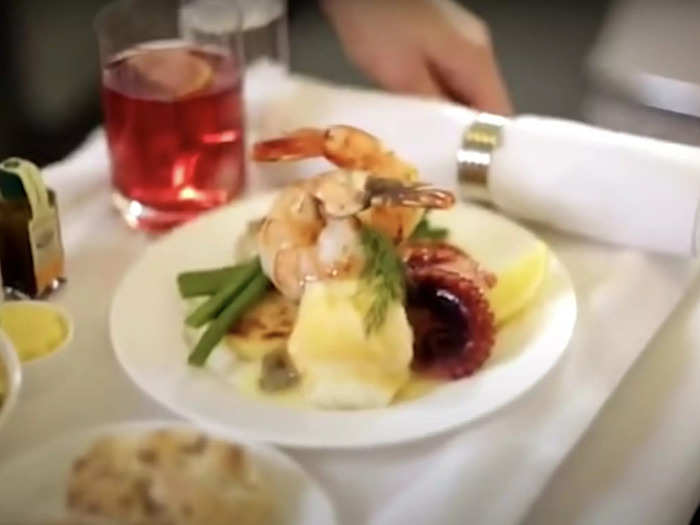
x,y
452,323
430,254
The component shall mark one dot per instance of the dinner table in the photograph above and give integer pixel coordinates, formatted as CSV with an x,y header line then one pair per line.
x,y
609,435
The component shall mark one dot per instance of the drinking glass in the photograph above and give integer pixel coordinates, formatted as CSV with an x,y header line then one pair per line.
x,y
265,31
172,76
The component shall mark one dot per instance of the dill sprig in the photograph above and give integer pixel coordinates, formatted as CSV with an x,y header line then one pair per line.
x,y
382,280
425,230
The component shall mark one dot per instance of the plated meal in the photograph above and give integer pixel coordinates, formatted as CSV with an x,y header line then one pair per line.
x,y
158,473
344,294
353,308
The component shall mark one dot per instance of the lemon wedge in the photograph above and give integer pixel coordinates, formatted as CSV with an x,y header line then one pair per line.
x,y
172,72
518,284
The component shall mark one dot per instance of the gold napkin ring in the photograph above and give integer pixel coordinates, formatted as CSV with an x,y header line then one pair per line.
x,y
479,141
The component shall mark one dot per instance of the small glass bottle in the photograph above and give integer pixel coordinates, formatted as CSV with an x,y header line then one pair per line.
x,y
31,250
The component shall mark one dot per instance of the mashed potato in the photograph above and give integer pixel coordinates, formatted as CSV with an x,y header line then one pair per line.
x,y
340,366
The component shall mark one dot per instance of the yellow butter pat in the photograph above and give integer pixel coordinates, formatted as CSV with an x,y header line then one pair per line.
x,y
34,330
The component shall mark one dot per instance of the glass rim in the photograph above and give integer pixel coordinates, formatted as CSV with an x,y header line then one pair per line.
x,y
100,19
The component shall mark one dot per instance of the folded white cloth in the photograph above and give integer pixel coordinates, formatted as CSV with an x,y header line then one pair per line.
x,y
489,472
609,186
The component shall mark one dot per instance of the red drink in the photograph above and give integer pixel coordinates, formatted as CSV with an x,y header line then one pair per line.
x,y
174,121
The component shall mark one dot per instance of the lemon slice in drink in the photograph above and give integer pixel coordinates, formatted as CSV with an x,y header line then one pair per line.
x,y
518,284
171,72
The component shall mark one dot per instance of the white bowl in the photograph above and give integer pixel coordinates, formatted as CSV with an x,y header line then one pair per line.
x,y
36,493
13,372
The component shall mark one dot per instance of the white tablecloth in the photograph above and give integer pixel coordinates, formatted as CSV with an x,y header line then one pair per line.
x,y
640,461
489,472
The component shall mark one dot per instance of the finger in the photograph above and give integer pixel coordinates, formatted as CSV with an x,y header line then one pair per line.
x,y
470,73
414,77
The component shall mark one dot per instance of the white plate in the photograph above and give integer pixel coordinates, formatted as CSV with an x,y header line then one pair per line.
x,y
10,366
146,330
37,491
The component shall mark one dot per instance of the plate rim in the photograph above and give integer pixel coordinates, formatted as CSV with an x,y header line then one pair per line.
x,y
14,377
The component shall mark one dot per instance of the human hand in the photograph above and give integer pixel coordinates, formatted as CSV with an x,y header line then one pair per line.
x,y
425,47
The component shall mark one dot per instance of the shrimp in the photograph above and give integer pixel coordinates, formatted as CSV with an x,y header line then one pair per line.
x,y
351,148
312,230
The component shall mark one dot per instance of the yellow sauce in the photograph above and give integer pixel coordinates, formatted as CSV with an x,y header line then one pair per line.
x,y
248,348
247,377
417,386
35,330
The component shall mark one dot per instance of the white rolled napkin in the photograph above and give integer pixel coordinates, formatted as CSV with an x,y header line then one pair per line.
x,y
608,186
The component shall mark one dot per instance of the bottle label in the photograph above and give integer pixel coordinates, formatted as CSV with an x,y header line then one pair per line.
x,y
47,249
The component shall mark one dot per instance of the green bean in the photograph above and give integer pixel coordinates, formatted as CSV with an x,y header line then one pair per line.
x,y
206,282
216,303
253,291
